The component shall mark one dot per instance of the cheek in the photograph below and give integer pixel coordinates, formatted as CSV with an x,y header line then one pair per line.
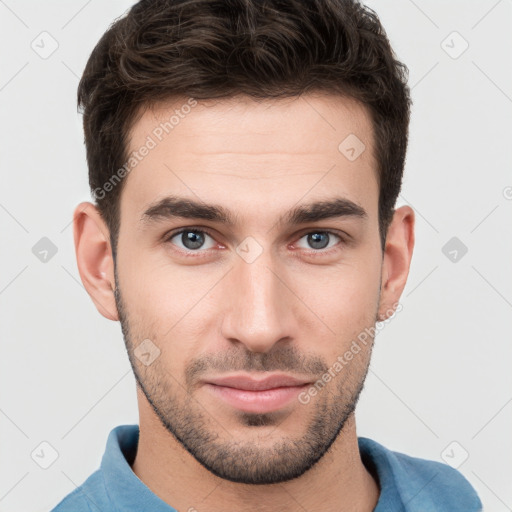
x,y
170,304
176,303
158,290
344,297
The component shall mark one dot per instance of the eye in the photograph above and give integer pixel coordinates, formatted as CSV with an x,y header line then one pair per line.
x,y
191,239
320,240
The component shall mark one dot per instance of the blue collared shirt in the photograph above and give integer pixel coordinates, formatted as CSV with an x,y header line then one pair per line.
x,y
407,484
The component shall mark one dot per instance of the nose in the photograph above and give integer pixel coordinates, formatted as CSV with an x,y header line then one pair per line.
x,y
259,308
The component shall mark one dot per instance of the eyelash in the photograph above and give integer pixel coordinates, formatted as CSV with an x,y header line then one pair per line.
x,y
199,252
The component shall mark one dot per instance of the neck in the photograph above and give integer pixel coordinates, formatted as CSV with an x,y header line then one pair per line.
x,y
339,479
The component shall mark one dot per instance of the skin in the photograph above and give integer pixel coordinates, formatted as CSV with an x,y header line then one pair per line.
x,y
292,310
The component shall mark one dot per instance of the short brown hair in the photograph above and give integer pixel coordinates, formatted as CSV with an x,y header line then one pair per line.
x,y
209,49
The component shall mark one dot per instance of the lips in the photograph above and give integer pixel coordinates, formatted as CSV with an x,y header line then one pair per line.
x,y
250,394
252,384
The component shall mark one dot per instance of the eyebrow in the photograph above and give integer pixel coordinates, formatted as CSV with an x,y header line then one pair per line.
x,y
178,207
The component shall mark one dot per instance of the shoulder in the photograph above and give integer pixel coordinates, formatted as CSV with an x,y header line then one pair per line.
x,y
88,497
74,501
423,485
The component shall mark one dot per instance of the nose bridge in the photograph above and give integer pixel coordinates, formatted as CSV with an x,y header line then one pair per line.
x,y
257,315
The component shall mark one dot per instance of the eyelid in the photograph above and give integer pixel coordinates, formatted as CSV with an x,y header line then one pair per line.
x,y
340,234
177,231
344,237
201,229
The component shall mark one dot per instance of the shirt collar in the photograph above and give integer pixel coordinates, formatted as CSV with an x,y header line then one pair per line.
x,y
127,492
376,460
125,489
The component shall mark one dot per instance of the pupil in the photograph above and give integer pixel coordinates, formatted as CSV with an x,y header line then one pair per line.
x,y
192,240
316,242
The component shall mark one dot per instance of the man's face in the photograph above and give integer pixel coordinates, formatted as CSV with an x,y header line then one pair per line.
x,y
259,296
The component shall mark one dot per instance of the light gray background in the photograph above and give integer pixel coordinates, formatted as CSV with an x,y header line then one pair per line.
x,y
441,368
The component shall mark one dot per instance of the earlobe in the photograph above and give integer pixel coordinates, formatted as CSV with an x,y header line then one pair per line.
x,y
397,260
94,258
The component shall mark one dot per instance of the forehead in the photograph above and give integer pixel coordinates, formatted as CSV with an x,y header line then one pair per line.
x,y
258,156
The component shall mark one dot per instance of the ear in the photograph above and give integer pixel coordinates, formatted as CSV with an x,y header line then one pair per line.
x,y
397,260
94,258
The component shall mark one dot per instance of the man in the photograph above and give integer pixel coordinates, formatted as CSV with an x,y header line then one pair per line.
x,y
245,157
